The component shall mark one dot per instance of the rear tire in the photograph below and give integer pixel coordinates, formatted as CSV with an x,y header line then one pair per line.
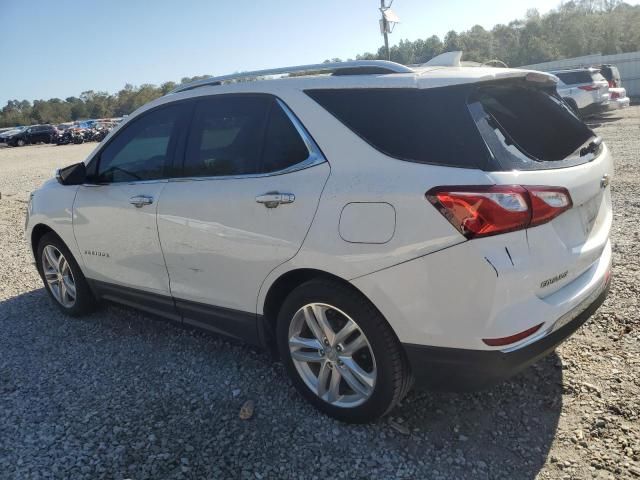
x,y
372,372
62,277
20,142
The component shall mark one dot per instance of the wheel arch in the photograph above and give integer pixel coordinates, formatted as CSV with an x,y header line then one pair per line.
x,y
278,292
39,231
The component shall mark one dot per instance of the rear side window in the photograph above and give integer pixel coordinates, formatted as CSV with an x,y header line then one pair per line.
x,y
241,135
418,125
573,78
283,146
226,136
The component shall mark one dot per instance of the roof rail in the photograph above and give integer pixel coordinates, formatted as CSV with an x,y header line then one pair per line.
x,y
361,67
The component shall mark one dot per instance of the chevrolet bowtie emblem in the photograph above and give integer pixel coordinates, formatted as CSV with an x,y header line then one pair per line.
x,y
604,181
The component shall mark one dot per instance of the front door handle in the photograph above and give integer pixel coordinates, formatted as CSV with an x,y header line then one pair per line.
x,y
273,199
140,201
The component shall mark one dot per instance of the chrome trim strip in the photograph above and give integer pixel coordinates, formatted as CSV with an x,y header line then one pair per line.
x,y
137,182
389,67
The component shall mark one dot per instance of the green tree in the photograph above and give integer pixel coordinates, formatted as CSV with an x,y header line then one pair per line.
x,y
575,28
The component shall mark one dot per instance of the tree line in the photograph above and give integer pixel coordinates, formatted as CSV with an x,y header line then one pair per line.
x,y
575,28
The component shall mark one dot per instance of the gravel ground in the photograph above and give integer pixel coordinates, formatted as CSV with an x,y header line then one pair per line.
x,y
123,395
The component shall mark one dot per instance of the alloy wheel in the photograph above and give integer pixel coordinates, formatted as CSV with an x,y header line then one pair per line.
x,y
58,275
332,355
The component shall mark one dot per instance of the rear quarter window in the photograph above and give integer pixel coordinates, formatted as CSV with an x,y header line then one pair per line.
x,y
418,125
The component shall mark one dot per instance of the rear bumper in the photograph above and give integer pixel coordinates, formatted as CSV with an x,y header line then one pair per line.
x,y
459,369
619,103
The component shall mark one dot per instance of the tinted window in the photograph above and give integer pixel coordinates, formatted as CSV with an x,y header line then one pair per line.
x,y
226,136
283,146
142,150
533,120
607,73
572,78
419,125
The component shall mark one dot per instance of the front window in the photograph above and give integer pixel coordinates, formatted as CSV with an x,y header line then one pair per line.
x,y
142,151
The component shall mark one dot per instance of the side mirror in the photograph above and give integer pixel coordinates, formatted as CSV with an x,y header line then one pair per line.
x,y
72,175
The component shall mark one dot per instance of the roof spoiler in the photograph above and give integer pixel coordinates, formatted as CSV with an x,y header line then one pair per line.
x,y
448,59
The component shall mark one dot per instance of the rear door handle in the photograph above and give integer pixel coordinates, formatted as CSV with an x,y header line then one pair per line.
x,y
273,199
140,201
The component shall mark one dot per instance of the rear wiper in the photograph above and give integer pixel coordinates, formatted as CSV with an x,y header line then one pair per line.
x,y
592,147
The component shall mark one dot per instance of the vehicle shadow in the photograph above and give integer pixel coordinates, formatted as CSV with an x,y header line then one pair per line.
x,y
596,122
506,430
131,395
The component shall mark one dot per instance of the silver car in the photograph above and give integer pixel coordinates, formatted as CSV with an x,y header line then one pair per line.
x,y
585,90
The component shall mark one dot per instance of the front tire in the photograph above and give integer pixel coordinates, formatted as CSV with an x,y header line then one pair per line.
x,y
62,277
340,352
20,143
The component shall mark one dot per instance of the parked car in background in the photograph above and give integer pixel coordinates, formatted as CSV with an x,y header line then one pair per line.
x,y
611,74
585,90
373,229
6,135
618,98
33,134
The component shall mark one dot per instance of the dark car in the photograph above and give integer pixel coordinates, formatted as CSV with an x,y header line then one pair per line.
x,y
33,134
7,134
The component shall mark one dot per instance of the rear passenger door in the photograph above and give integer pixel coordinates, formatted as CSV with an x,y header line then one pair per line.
x,y
251,182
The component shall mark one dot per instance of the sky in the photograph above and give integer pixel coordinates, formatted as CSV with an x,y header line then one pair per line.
x,y
59,49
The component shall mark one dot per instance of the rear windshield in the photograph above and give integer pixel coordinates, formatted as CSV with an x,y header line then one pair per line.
x,y
532,120
572,78
497,126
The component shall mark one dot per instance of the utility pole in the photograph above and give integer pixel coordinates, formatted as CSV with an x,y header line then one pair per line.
x,y
387,22
385,29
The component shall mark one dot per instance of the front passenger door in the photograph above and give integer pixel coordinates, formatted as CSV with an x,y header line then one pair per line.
x,y
115,215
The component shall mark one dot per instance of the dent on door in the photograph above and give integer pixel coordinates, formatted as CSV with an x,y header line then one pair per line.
x,y
221,237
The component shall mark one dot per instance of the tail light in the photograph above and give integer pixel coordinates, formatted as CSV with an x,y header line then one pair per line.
x,y
481,211
612,84
615,95
589,88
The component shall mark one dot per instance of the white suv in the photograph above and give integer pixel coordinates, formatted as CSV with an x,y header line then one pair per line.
x,y
377,227
585,90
